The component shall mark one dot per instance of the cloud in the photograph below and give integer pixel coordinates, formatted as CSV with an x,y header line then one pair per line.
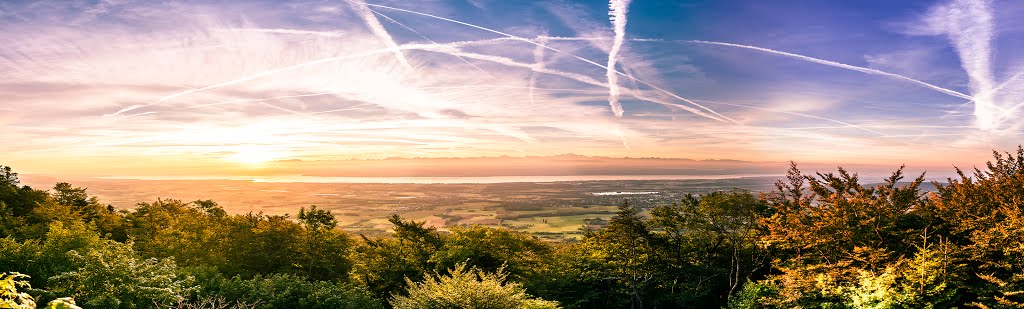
x,y
157,81
970,27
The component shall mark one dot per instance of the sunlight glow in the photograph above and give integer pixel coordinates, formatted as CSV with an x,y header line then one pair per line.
x,y
254,156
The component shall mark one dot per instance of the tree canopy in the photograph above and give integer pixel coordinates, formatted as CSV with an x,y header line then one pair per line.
x,y
827,240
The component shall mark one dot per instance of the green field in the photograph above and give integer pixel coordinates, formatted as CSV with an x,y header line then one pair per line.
x,y
547,209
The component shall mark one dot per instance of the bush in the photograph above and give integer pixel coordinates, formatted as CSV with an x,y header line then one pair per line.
x,y
114,276
286,291
754,295
468,288
10,297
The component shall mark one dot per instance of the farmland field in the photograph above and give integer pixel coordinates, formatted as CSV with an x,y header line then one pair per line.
x,y
547,209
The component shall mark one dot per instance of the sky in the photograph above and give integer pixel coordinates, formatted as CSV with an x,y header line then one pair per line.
x,y
121,87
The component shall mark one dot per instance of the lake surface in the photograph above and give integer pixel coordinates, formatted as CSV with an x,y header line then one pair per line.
x,y
441,180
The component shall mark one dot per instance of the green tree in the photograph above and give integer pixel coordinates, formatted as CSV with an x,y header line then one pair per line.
x,y
261,244
490,249
384,263
8,177
317,219
193,233
709,246
325,249
16,203
51,255
628,248
577,278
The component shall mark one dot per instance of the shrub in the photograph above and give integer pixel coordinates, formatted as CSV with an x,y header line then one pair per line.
x,y
468,288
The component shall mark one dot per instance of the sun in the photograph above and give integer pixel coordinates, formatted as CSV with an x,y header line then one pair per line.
x,y
254,156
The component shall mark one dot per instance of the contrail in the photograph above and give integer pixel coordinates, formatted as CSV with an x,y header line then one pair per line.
x,y
719,118
378,29
538,60
330,34
425,47
263,99
582,79
357,107
798,56
514,87
618,11
838,65
799,114
268,73
293,112
431,41
969,25
995,91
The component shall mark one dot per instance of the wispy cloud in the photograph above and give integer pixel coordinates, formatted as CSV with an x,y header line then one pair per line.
x,y
970,27
197,83
378,29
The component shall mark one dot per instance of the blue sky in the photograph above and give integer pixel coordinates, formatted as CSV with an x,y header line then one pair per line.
x,y
89,85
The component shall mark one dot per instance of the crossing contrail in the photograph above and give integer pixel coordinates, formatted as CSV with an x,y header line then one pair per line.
x,y
378,29
719,117
618,11
431,41
440,48
768,50
582,79
970,26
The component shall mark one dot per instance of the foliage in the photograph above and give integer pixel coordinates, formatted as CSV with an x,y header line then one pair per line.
x,y
826,240
10,297
284,291
113,276
466,287
755,295
490,249
385,263
62,303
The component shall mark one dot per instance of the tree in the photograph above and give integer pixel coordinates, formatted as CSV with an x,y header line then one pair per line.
x,y
627,246
383,264
325,253
317,219
16,203
65,194
709,246
8,177
466,287
834,229
576,277
983,216
490,249
261,244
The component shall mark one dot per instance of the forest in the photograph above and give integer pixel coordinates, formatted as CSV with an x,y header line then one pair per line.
x,y
821,240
